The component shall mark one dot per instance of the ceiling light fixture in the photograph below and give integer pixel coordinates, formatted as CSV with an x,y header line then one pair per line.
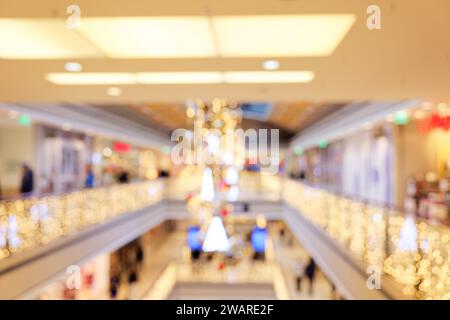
x,y
268,76
271,65
24,38
179,77
114,91
73,67
91,78
164,78
306,35
150,37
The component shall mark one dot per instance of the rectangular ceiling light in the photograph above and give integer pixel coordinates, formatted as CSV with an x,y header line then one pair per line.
x,y
150,37
281,35
268,76
91,78
42,39
179,77
109,78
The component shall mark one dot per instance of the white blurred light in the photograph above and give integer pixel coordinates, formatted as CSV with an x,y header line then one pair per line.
x,y
268,76
207,192
114,91
233,194
96,158
107,152
213,141
408,236
216,239
271,65
232,176
73,67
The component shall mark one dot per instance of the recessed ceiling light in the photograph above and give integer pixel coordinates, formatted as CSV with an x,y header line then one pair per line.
x,y
271,65
42,39
268,76
151,37
73,67
91,78
114,91
281,35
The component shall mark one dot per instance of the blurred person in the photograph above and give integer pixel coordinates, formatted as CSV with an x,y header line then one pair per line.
x,y
299,270
139,255
163,173
123,177
114,286
311,273
27,181
107,177
132,280
90,178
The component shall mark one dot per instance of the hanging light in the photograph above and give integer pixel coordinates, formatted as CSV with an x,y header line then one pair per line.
x,y
216,239
207,189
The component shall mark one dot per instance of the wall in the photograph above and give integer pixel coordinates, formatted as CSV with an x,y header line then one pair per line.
x,y
17,144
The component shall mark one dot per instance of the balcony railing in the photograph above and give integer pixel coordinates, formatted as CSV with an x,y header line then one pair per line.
x,y
32,222
415,253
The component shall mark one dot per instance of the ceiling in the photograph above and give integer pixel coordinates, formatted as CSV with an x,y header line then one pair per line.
x,y
409,57
164,117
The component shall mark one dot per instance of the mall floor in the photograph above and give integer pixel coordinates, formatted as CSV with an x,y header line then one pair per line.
x,y
171,251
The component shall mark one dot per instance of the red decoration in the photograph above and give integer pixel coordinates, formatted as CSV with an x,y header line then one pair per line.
x,y
121,147
224,212
434,122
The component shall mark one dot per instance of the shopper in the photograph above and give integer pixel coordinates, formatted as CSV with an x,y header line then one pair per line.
x,y
114,286
139,255
132,280
90,178
310,273
27,181
123,177
299,270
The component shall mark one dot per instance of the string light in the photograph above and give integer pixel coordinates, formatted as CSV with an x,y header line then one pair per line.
x,y
376,236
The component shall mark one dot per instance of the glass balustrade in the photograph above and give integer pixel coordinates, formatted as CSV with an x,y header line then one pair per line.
x,y
32,222
414,252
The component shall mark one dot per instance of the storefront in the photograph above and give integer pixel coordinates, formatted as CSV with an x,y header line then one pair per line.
x,y
423,167
62,159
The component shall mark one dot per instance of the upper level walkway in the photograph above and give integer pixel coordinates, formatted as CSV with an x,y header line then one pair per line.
x,y
350,240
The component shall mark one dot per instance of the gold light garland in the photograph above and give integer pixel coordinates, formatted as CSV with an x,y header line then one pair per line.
x,y
33,222
374,235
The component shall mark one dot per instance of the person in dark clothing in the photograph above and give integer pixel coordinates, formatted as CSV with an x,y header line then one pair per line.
x,y
310,273
139,255
27,182
114,286
124,177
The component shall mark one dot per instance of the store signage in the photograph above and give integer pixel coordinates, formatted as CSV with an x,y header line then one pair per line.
x,y
121,147
436,121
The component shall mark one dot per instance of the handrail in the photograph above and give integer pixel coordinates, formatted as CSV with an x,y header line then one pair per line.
x,y
32,222
413,252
